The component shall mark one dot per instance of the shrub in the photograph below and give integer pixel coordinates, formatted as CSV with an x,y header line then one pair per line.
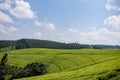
x,y
32,69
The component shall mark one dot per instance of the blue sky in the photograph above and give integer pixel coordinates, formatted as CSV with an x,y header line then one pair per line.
x,y
83,21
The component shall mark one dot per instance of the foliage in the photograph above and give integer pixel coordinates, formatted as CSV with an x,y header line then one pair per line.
x,y
32,69
6,69
7,48
34,43
109,75
6,43
4,60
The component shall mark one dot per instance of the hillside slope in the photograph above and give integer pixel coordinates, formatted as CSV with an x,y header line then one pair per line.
x,y
108,70
71,64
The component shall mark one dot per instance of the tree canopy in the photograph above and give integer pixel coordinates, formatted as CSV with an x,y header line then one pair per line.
x,y
35,43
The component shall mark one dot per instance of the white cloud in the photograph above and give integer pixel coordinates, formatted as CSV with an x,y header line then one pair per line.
x,y
7,30
22,10
50,26
12,29
4,6
101,36
113,21
38,34
38,23
113,4
97,36
73,30
3,29
5,18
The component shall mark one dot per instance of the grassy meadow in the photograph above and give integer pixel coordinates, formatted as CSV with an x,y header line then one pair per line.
x,y
76,64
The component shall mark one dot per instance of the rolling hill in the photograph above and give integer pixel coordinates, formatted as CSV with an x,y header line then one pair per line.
x,y
35,43
77,64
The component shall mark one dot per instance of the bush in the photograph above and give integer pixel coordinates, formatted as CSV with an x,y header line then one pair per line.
x,y
32,69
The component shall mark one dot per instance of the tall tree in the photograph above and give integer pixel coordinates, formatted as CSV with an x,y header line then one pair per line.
x,y
4,59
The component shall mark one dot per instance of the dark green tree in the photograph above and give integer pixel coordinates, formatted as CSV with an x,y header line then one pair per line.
x,y
6,69
3,66
32,69
4,60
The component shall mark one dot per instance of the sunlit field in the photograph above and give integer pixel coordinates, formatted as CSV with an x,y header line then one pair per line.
x,y
69,64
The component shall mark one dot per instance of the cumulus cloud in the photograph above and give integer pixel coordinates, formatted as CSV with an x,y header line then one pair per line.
x,y
5,5
73,30
113,4
102,36
113,21
38,23
22,10
3,29
12,29
50,26
97,36
7,30
5,18
38,34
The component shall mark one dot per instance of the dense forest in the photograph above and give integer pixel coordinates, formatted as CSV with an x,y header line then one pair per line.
x,y
35,43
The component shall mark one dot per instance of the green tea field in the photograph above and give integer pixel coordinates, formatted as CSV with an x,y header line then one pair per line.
x,y
76,64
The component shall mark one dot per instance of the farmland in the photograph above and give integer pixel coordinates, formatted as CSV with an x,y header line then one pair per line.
x,y
76,64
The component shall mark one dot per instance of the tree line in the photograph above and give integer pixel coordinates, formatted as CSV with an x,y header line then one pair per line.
x,y
35,43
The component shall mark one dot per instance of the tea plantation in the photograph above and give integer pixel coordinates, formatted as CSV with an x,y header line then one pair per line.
x,y
76,64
